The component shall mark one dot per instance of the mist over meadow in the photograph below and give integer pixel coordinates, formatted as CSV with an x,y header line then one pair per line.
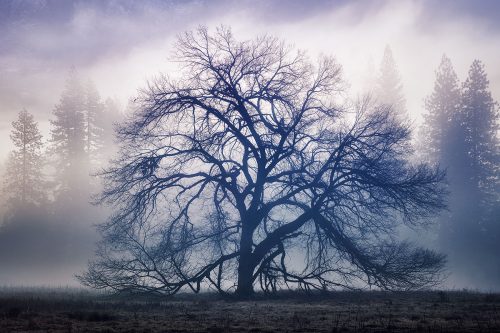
x,y
73,72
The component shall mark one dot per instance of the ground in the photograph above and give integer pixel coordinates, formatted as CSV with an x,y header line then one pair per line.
x,y
65,310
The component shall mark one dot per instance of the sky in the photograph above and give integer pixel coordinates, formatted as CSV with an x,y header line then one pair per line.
x,y
120,44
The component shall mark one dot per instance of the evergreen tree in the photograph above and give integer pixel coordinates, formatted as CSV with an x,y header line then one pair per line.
x,y
480,118
476,205
389,89
68,139
24,181
94,131
459,132
441,122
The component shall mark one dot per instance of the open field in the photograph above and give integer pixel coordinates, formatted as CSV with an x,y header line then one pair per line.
x,y
65,310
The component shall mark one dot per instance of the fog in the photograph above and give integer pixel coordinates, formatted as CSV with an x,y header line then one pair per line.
x,y
119,45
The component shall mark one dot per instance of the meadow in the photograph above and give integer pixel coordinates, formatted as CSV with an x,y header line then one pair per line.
x,y
75,310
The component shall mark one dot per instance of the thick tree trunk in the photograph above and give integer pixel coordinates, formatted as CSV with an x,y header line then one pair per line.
x,y
245,278
246,265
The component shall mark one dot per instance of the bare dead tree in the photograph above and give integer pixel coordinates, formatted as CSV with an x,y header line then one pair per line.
x,y
244,171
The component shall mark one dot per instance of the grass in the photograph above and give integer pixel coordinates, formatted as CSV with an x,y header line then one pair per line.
x,y
75,310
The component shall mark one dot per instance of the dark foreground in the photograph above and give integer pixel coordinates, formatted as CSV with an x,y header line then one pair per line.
x,y
78,311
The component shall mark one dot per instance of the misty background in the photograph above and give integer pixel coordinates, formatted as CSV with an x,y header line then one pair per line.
x,y
116,46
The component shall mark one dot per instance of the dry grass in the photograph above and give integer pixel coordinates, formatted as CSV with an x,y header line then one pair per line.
x,y
79,311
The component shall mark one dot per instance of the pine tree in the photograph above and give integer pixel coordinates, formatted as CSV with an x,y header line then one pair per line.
x,y
459,132
389,89
442,141
441,122
68,138
24,181
94,131
480,117
477,182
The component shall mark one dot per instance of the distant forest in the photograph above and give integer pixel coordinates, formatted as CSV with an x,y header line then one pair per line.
x,y
48,183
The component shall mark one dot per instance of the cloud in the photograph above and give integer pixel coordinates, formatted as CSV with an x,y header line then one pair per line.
x,y
121,43
482,12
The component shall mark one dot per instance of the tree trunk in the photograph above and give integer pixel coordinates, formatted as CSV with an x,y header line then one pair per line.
x,y
245,278
246,265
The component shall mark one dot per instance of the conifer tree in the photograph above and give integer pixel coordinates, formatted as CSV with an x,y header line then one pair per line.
x,y
68,138
94,131
389,88
476,209
24,181
480,118
459,132
442,117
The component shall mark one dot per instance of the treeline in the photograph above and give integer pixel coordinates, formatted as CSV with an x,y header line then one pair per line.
x,y
460,132
48,182
40,172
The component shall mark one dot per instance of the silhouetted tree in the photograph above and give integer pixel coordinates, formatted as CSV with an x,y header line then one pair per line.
x,y
24,182
389,89
245,171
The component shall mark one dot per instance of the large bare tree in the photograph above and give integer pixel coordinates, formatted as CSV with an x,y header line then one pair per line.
x,y
245,171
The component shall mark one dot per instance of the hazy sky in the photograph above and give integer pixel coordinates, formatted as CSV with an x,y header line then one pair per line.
x,y
120,44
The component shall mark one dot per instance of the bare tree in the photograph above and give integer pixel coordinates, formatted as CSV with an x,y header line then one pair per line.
x,y
244,172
